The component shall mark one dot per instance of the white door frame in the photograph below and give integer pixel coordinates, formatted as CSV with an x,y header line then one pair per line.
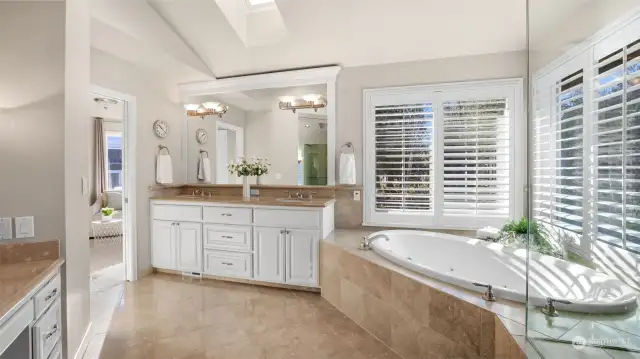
x,y
239,138
130,252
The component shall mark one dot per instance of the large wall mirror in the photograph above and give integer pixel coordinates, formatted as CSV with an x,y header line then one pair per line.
x,y
286,119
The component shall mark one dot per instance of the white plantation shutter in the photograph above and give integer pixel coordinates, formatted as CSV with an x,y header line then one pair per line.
x,y
476,161
616,146
558,163
441,156
403,143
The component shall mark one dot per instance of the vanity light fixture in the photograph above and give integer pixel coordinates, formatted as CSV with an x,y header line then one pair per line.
x,y
309,101
206,109
105,102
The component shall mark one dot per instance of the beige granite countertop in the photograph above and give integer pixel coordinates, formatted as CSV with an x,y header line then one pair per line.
x,y
19,279
23,266
256,201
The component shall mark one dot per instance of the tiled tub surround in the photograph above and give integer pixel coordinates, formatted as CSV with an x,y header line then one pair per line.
x,y
367,288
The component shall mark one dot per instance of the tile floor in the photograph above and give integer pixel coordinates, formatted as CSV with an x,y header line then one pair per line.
x,y
163,316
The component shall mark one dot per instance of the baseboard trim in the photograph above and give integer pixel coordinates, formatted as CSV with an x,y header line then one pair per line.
x,y
85,342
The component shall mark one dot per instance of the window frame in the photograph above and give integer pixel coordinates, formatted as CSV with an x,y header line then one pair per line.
x,y
512,88
107,134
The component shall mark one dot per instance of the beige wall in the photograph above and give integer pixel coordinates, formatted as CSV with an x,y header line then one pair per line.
x,y
353,80
155,100
40,110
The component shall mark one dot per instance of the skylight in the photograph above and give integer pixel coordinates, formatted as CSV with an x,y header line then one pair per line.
x,y
260,4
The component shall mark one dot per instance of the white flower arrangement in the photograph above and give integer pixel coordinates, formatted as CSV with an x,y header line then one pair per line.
x,y
261,166
243,168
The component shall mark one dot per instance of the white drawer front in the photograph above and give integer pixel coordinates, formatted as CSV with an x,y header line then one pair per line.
x,y
227,215
228,264
235,238
47,295
47,331
287,218
177,213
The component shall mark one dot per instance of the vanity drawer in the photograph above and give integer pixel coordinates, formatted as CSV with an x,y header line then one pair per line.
x,y
177,213
47,331
227,215
228,264
283,218
234,238
47,295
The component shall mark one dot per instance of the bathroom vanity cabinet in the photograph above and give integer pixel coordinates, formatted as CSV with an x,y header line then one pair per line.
x,y
32,328
276,244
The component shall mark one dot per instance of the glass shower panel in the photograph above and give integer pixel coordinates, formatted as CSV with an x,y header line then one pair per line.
x,y
583,271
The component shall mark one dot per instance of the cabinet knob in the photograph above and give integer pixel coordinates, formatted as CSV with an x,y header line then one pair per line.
x,y
226,214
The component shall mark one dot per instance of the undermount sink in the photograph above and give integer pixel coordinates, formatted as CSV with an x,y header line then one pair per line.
x,y
292,200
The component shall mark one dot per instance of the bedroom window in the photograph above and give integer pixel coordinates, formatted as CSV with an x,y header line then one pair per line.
x,y
114,160
586,181
442,156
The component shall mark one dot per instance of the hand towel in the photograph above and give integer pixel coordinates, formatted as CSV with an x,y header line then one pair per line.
x,y
347,168
164,169
206,169
200,167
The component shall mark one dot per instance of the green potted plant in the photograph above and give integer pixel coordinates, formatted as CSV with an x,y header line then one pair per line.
x,y
107,213
519,233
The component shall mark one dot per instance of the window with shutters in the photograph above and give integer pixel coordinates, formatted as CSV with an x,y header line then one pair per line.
x,y
586,140
443,156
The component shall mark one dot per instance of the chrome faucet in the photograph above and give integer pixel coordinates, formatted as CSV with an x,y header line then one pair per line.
x,y
550,309
488,295
365,244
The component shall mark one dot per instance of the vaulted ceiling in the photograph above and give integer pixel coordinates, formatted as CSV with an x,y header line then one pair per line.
x,y
190,40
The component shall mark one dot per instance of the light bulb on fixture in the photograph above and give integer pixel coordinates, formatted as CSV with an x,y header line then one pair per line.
x,y
191,107
211,105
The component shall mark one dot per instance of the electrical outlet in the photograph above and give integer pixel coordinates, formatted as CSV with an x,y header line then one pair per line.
x,y
6,231
24,227
356,195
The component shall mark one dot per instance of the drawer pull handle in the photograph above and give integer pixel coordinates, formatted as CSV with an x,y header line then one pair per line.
x,y
227,263
52,332
226,214
227,237
51,295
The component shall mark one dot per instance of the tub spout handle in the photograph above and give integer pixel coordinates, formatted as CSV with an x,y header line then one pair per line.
x,y
550,309
488,295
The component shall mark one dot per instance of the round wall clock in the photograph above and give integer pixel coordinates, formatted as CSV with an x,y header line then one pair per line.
x,y
202,136
161,129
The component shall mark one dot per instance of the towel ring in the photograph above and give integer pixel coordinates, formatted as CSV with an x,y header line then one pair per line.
x,y
161,147
348,145
205,152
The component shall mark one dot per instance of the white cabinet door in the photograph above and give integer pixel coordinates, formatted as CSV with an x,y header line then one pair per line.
x,y
302,257
163,241
268,259
189,247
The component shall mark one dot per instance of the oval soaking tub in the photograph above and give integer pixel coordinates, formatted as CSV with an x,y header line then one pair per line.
x,y
462,261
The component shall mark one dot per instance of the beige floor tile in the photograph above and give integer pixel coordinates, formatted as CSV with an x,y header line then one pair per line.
x,y
165,316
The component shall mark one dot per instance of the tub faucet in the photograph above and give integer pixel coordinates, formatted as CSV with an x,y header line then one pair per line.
x,y
488,295
550,309
365,244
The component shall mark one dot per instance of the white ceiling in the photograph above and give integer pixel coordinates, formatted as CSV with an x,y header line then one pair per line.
x,y
193,40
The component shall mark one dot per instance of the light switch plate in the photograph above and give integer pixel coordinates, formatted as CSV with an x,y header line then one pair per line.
x,y
6,231
24,227
356,195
